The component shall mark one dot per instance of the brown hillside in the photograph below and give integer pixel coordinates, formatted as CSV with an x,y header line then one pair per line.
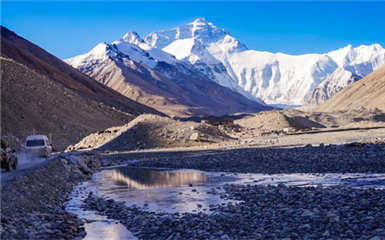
x,y
44,63
31,103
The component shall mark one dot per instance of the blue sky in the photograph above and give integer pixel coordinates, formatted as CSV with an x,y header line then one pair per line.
x,y
67,28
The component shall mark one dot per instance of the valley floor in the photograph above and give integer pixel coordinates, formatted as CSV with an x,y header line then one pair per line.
x,y
263,212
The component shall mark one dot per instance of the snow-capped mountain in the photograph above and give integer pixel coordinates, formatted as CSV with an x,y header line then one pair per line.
x,y
156,78
130,45
273,78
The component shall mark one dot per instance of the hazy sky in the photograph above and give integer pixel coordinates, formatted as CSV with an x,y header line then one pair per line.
x,y
67,28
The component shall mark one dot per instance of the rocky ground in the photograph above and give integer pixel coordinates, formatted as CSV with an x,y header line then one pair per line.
x,y
350,158
33,205
266,212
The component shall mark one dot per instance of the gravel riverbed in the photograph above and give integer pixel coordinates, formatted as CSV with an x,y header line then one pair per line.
x,y
265,212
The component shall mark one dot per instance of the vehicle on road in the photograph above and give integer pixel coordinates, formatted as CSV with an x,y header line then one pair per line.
x,y
38,145
8,157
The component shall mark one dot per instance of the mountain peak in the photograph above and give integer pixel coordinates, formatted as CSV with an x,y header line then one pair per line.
x,y
348,47
200,29
132,37
200,20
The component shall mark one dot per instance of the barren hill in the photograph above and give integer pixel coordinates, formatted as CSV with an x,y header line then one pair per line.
x,y
367,93
42,94
277,120
152,131
44,63
31,102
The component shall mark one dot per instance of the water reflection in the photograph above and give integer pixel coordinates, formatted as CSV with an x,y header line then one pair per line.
x,y
163,190
141,179
179,191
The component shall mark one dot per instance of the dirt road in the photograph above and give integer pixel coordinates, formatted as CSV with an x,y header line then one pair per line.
x,y
26,163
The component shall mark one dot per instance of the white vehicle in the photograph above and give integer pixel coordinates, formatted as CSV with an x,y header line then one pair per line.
x,y
38,145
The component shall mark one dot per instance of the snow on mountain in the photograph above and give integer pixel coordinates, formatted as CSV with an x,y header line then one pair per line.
x,y
333,84
200,29
361,60
158,79
354,64
197,43
180,48
274,78
130,45
279,78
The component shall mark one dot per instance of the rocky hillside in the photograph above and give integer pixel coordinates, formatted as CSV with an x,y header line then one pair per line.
x,y
367,93
44,63
31,102
42,94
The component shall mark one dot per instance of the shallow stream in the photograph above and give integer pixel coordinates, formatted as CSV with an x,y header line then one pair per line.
x,y
165,190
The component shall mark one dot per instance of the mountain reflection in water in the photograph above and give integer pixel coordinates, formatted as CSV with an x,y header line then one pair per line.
x,y
139,178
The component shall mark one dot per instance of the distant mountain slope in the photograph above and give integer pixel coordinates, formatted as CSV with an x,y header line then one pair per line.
x,y
44,63
42,94
155,78
275,78
367,93
333,84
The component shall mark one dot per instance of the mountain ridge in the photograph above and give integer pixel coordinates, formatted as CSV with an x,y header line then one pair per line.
x,y
262,74
159,80
272,78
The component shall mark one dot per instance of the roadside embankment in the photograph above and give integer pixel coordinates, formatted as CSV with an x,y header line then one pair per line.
x,y
33,205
